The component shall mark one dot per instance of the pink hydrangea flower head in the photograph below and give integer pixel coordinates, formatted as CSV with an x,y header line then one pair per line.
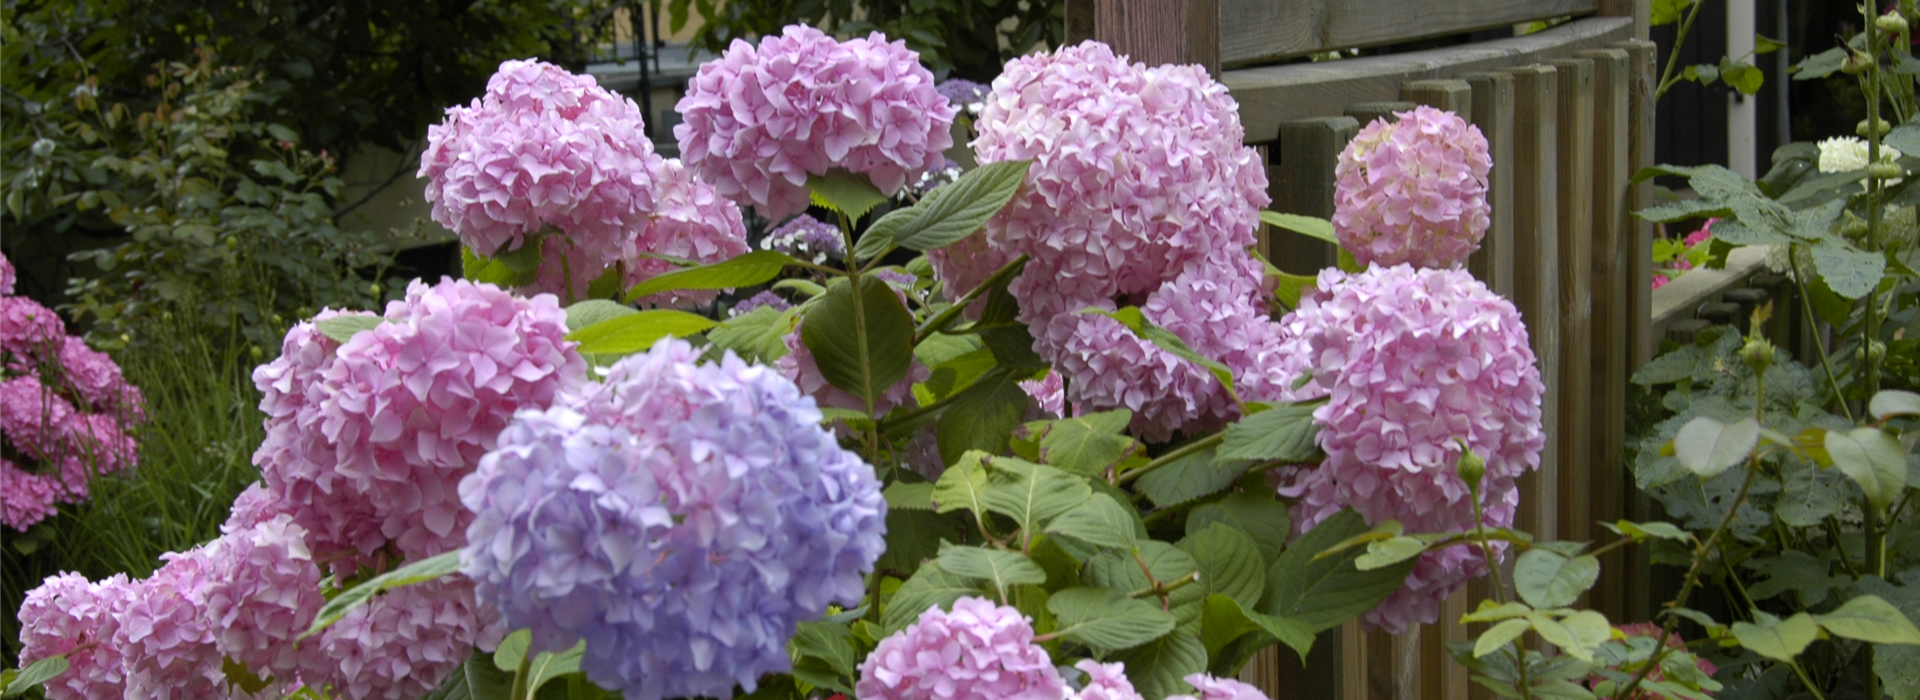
x,y
252,507
98,444
33,418
980,651
402,645
690,221
799,367
28,331
395,416
97,380
26,498
1219,689
1413,363
1137,173
963,265
1413,190
69,615
165,637
263,591
542,151
760,120
1049,394
7,275
1104,682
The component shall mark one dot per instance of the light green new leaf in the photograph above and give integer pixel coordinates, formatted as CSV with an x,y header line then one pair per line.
x,y
512,649
1306,225
1088,445
1497,636
956,211
1388,552
1001,569
1546,579
1283,433
757,267
930,587
1579,634
342,328
34,675
1230,563
863,344
1707,447
592,311
506,268
962,486
1777,639
421,571
1894,402
1873,459
1490,612
1107,620
1870,618
878,238
1032,494
759,334
905,496
551,666
1099,521
845,192
635,332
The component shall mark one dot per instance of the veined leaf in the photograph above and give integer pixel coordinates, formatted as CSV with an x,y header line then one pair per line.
x,y
931,586
845,192
1873,459
1326,592
956,211
757,267
861,339
1777,639
1312,227
421,571
1001,569
1707,447
637,331
1107,620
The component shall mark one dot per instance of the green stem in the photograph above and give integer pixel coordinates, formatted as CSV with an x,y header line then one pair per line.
x,y
995,373
947,315
1176,455
1499,585
1808,682
1667,77
520,676
1800,280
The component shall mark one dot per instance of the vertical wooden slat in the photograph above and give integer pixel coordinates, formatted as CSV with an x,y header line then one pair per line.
x,y
1302,183
1263,239
1536,274
1639,252
1640,10
1455,96
1366,112
1610,355
1151,31
1493,114
1575,263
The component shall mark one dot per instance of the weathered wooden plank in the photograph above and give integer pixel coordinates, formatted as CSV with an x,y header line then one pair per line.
x,y
1455,96
1302,183
1274,94
1367,112
1575,262
1641,335
1536,275
1610,356
1493,114
1151,31
1640,10
1252,31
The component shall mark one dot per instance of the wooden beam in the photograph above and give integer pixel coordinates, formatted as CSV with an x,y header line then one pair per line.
x,y
1274,94
1253,31
1640,338
1493,115
1610,357
1536,273
1575,262
1367,112
1151,31
1640,10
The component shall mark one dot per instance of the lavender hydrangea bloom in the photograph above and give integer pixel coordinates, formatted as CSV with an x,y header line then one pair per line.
x,y
963,92
766,298
806,238
681,518
1219,689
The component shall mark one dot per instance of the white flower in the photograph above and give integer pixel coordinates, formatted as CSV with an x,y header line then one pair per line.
x,y
1843,153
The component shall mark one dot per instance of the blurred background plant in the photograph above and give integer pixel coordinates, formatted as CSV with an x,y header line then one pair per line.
x,y
969,39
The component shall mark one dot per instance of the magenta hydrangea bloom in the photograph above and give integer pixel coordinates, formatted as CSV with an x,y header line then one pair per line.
x,y
760,120
28,331
542,151
682,518
7,275
1138,173
1413,362
799,367
1219,689
690,221
1104,682
27,497
403,644
367,440
69,615
1413,191
964,265
96,379
263,591
980,651
165,639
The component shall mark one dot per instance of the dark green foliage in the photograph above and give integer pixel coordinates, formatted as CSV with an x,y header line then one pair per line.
x,y
958,38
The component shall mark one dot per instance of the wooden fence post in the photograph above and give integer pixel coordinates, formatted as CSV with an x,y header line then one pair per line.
x,y
1610,319
1639,269
1302,183
1366,112
1493,114
1536,277
1151,31
1455,96
1575,224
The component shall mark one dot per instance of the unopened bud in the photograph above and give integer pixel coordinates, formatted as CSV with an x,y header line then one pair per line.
x,y
1758,354
257,352
1891,23
1886,171
1884,126
374,288
1854,229
1471,468
1876,351
1856,62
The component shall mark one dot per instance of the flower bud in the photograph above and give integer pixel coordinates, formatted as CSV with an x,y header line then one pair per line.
x,y
1856,63
1876,350
1886,171
257,352
1758,354
1884,126
1891,23
1471,469
374,288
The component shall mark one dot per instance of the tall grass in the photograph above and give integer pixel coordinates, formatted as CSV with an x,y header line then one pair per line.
x,y
195,457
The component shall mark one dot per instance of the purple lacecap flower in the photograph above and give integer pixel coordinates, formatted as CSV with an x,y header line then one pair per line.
x,y
1414,361
806,238
767,298
980,651
69,615
1413,190
760,120
962,92
682,518
367,440
543,149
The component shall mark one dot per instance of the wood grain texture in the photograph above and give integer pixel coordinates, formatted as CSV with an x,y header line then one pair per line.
x,y
1151,31
1302,183
1575,262
1274,94
1640,10
1455,96
1367,112
1252,31
1640,333
1493,115
1611,109
1536,275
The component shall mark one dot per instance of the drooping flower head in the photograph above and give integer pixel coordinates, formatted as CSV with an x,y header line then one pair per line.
x,y
543,150
760,120
1413,364
1413,190
69,615
980,651
367,440
682,518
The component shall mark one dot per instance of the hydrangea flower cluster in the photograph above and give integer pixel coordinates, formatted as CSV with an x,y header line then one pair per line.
x,y
806,238
1219,689
689,221
963,93
760,120
7,275
67,614
1844,153
980,651
964,264
1140,192
768,298
1413,362
367,440
65,413
682,518
1413,190
405,643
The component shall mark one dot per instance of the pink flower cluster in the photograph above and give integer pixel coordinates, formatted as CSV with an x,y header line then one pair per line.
x,y
980,651
1413,363
762,119
1681,260
367,440
551,157
1650,631
65,413
1413,190
1140,192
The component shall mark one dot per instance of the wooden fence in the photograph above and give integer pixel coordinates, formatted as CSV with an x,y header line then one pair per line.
x,y
1568,113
